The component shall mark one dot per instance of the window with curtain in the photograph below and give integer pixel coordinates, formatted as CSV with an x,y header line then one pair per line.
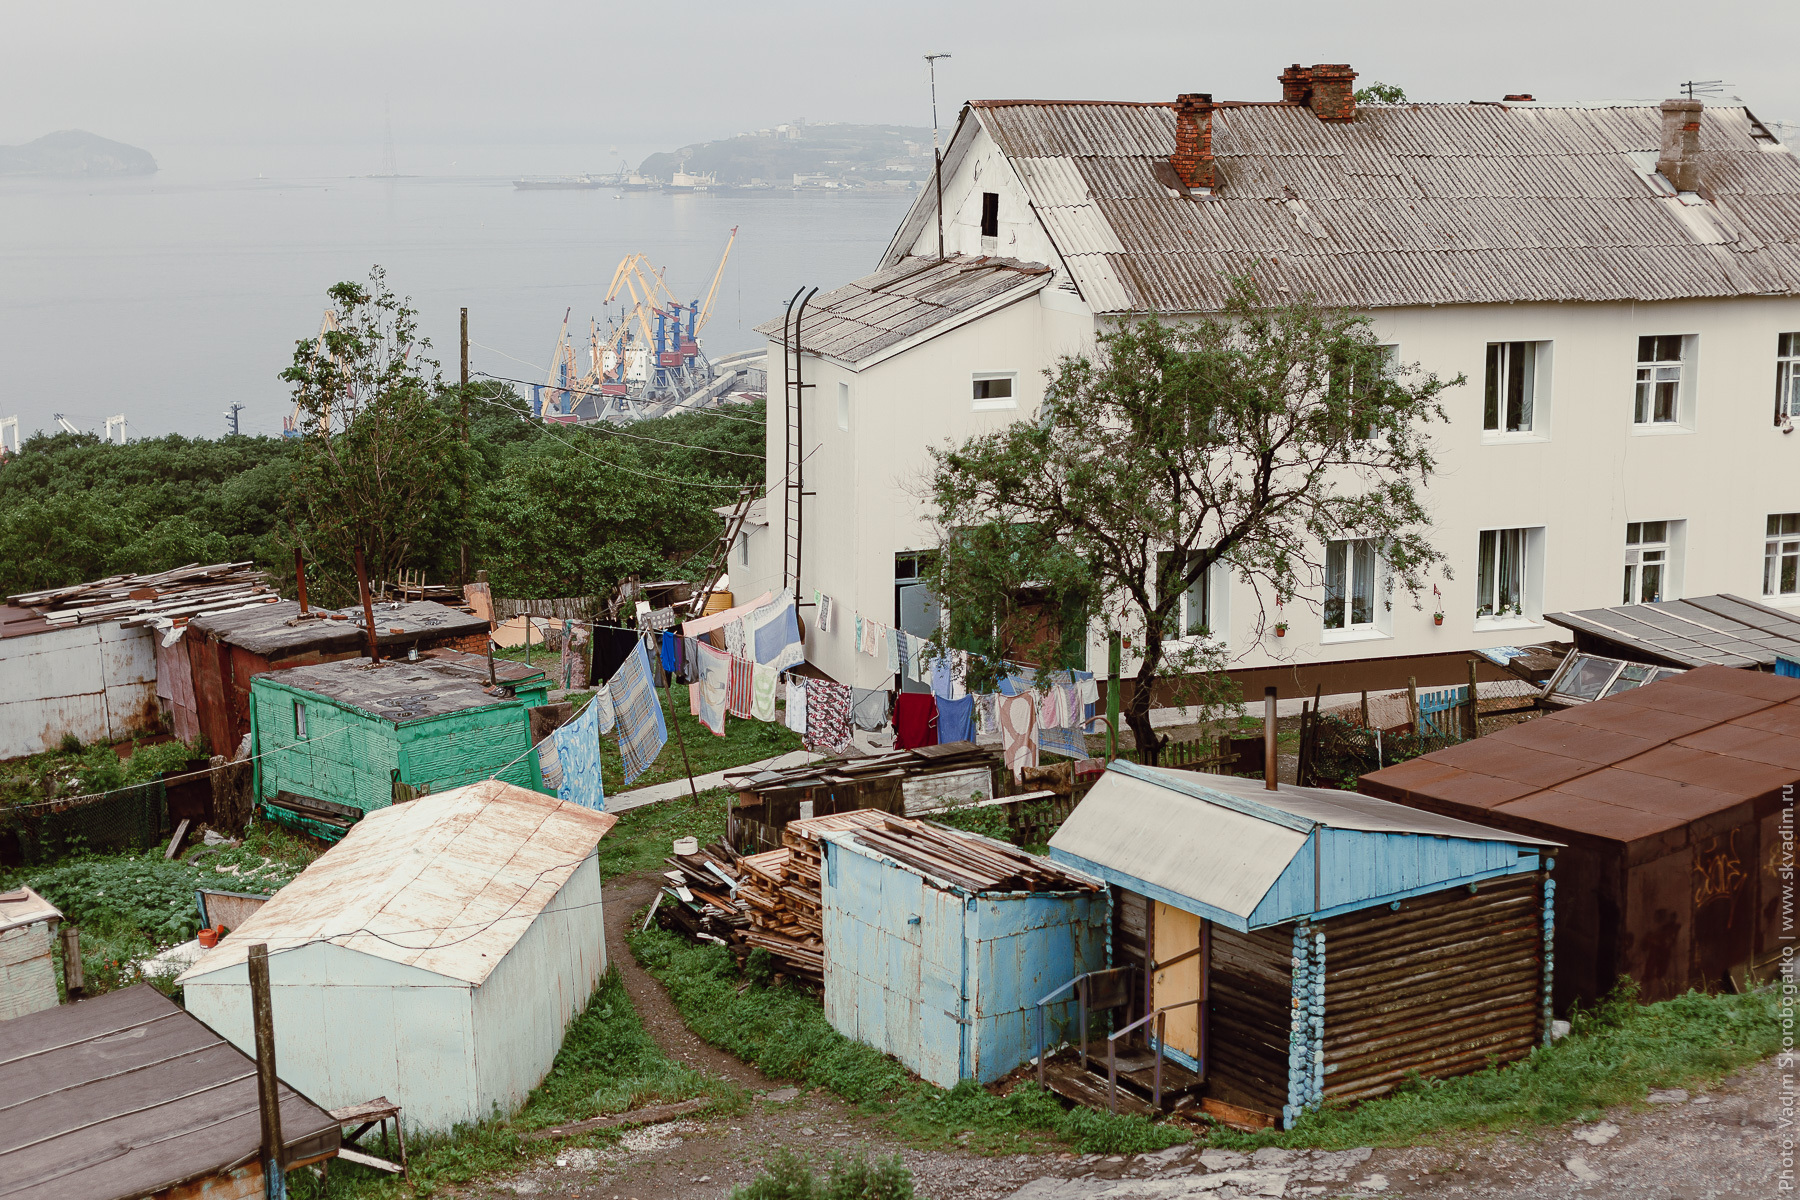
x,y
1350,570
1500,573
1659,370
1781,555
1511,387
1194,618
1787,378
1646,561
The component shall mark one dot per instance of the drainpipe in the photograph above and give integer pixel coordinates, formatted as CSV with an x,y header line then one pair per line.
x,y
1269,781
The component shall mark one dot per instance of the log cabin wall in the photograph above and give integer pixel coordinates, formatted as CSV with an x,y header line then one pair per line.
x,y
1441,986
1250,1013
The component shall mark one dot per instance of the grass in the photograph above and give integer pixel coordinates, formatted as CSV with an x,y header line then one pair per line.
x,y
129,906
643,836
1616,1053
77,770
783,1032
608,1063
787,1176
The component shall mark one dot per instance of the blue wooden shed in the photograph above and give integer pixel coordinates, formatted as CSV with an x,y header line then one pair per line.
x,y
945,976
1305,944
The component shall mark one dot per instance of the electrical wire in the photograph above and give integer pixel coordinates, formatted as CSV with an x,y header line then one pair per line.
x,y
575,391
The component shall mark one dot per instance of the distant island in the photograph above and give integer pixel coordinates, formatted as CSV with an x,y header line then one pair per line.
x,y
803,154
75,152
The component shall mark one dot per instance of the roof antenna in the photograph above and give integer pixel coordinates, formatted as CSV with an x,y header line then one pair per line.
x,y
1695,88
937,159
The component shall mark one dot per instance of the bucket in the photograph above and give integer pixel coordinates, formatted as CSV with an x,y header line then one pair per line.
x,y
687,845
716,602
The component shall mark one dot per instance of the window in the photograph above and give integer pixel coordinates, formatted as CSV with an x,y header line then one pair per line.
x,y
1787,378
1646,561
1660,363
1194,614
300,719
1350,571
990,214
994,390
1781,556
843,406
1510,403
1364,396
1501,576
743,549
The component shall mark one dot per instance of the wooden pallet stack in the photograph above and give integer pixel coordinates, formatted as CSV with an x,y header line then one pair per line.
x,y
698,899
780,889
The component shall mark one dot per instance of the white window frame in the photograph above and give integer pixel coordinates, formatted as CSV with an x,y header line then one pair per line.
x,y
994,403
1787,380
1536,372
843,413
1682,420
300,720
1642,553
1781,546
1351,631
1528,605
1215,585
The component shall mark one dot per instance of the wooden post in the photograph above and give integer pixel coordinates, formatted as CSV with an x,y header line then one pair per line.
x,y
1412,702
268,1097
1474,701
1112,694
74,982
300,578
1365,709
1269,776
681,741
362,583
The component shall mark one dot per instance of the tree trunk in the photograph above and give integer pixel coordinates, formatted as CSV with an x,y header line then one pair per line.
x,y
1137,711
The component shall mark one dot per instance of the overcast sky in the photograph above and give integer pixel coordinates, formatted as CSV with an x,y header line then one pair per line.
x,y
644,76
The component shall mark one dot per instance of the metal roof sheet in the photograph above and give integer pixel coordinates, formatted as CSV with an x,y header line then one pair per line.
x,y
861,319
126,1095
277,630
1407,204
441,681
1629,766
1722,630
25,907
445,883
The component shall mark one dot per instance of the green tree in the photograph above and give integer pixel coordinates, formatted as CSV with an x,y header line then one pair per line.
x,y
1381,93
381,458
1251,437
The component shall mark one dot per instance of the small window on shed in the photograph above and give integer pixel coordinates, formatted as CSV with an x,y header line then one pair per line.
x,y
300,719
990,214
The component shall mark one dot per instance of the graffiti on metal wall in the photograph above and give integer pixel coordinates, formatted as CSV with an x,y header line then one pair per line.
x,y
1718,869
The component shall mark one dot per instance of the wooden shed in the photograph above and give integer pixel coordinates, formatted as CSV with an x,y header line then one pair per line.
x,y
356,737
127,1097
27,969
435,956
1670,797
1309,945
204,677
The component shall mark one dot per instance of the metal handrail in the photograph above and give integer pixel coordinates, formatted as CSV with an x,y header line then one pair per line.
x,y
1081,1003
1112,1064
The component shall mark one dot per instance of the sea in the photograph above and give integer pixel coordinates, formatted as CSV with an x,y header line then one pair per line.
x,y
168,298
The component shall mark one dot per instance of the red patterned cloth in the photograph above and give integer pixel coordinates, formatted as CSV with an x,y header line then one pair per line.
x,y
827,714
742,694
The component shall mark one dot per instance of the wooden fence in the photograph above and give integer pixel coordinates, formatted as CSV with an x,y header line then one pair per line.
x,y
563,608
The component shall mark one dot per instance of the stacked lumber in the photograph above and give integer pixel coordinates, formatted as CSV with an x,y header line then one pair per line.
x,y
166,598
975,863
781,895
699,899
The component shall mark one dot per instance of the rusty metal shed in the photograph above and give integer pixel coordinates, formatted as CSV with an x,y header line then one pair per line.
x,y
126,1096
1669,797
434,956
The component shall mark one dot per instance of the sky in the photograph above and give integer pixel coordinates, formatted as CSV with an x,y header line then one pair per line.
x,y
485,85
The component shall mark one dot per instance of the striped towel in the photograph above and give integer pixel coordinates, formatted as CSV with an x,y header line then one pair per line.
x,y
742,693
642,732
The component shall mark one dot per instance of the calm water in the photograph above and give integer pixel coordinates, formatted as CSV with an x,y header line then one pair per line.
x,y
169,298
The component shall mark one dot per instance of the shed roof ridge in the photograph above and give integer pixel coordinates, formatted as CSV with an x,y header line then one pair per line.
x,y
544,815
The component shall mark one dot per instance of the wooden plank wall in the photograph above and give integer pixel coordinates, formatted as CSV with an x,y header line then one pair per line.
x,y
1441,986
1250,1013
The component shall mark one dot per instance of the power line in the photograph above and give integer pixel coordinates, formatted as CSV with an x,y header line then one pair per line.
x,y
575,391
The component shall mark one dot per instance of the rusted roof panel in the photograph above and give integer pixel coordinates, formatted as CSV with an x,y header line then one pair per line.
x,y
1408,204
277,631
1650,760
445,883
861,319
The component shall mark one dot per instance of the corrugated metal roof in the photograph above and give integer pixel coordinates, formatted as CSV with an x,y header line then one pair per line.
x,y
445,883
25,907
861,319
277,630
1630,766
1407,204
1722,630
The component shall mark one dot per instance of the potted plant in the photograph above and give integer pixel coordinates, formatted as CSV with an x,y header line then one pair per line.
x,y
1437,603
1281,629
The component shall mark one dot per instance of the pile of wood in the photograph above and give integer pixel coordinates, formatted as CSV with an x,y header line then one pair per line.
x,y
699,899
166,597
782,896
977,864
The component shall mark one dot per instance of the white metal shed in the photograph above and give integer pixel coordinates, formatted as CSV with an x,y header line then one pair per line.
x,y
435,956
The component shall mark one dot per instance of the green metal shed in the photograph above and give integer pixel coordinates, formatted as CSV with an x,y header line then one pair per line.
x,y
347,732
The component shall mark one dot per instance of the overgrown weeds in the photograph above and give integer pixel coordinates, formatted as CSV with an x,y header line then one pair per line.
x,y
784,1033
787,1176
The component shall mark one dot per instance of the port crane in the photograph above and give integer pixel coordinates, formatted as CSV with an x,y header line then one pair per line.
x,y
291,425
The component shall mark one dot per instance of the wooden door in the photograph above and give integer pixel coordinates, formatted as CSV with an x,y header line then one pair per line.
x,y
1178,938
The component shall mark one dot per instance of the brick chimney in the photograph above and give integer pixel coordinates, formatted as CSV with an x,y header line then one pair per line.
x,y
1193,157
1679,161
1333,93
1296,85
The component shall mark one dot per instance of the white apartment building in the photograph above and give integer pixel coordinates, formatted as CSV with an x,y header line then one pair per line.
x,y
1619,282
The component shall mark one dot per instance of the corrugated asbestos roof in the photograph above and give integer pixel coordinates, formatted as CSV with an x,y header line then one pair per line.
x,y
1224,841
1627,767
1724,630
126,1095
445,883
1407,204
861,319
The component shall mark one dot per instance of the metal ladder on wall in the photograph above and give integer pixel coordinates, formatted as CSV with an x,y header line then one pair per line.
x,y
793,483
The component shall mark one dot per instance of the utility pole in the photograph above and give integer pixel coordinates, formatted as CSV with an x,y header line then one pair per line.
x,y
937,157
268,1094
231,415
463,396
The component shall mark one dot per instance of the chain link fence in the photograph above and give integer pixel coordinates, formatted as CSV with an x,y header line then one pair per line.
x,y
1339,751
131,818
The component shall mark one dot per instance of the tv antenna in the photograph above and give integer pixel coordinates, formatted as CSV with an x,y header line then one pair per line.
x,y
937,158
1695,88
